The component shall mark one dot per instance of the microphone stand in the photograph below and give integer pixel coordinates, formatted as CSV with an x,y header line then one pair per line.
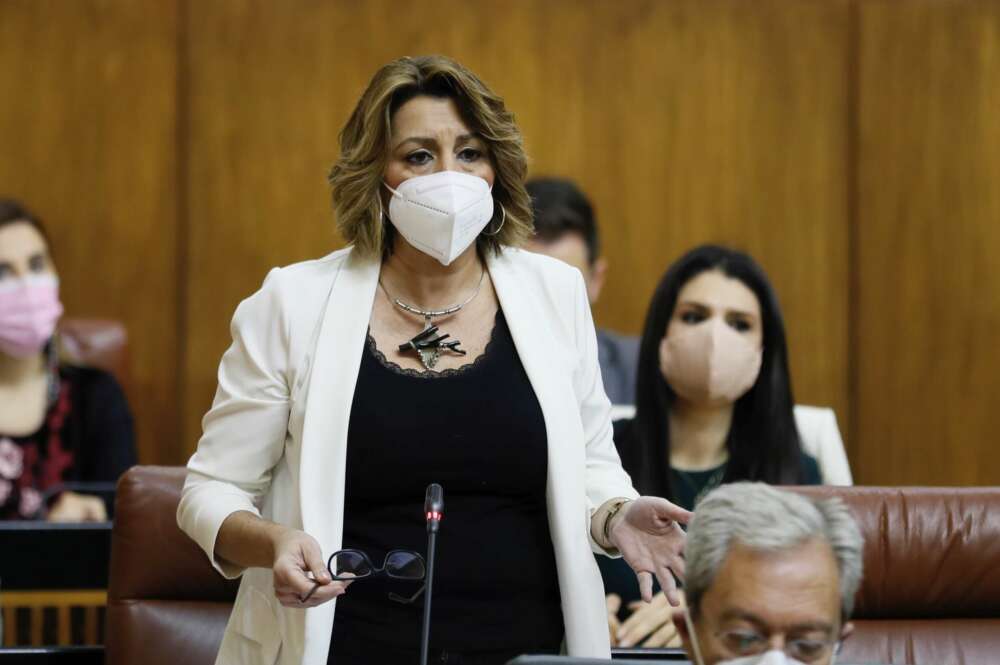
x,y
433,507
425,635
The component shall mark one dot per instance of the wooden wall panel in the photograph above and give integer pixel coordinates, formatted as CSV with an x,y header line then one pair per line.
x,y
87,125
928,238
722,122
179,150
686,121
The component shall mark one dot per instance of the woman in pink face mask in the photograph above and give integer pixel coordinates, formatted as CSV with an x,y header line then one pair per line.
x,y
58,424
713,405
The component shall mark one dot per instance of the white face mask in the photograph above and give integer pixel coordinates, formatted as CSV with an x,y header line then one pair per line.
x,y
441,214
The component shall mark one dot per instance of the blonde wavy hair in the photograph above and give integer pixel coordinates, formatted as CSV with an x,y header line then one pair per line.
x,y
356,178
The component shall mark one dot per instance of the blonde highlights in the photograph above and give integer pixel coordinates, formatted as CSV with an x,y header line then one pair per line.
x,y
356,178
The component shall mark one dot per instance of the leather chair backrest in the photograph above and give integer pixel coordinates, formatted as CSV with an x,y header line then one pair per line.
x,y
931,587
96,343
930,595
166,604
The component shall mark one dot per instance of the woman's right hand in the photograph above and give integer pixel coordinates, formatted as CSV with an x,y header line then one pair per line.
x,y
298,567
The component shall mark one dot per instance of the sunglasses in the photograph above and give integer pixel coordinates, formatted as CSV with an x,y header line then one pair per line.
x,y
354,565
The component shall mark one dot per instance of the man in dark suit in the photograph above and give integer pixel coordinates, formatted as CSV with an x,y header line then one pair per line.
x,y
565,229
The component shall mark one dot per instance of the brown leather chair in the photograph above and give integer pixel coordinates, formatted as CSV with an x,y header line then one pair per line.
x,y
930,596
166,604
931,588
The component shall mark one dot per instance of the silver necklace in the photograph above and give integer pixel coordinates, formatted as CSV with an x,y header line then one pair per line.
x,y
428,344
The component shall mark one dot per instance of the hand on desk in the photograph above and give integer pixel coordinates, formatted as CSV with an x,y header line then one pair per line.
x,y
73,507
649,625
614,602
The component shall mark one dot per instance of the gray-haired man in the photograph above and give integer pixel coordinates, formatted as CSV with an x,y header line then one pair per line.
x,y
771,577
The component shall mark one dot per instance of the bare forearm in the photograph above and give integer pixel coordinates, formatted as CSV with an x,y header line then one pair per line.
x,y
247,540
295,558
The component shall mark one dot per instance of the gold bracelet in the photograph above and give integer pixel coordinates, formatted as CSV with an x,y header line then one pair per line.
x,y
615,507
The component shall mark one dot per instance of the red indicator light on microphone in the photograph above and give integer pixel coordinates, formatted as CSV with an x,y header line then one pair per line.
x,y
434,516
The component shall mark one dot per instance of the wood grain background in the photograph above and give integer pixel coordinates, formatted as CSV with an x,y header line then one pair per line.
x,y
88,140
179,150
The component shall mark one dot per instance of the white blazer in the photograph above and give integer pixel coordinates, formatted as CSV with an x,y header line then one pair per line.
x,y
275,439
820,437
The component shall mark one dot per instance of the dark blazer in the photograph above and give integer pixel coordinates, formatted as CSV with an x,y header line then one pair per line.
x,y
618,356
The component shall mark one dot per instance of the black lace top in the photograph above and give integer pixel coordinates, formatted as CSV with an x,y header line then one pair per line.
x,y
479,432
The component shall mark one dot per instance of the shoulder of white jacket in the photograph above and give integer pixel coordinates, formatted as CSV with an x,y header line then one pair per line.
x,y
299,288
312,267
810,419
297,278
807,411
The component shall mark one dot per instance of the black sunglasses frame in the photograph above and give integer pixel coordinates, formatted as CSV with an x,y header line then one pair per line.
x,y
375,570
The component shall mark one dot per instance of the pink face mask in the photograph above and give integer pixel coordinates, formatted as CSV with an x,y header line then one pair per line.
x,y
29,309
709,363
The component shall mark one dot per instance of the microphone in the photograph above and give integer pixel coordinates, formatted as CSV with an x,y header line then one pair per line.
x,y
434,506
433,512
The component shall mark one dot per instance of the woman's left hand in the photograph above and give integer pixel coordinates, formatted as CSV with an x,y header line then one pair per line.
x,y
648,534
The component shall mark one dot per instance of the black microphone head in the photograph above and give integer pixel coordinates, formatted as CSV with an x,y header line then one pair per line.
x,y
434,501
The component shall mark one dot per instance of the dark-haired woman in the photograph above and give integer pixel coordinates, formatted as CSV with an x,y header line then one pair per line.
x,y
714,403
58,423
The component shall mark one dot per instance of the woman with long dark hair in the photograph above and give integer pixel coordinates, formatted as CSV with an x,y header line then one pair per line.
x,y
714,399
713,403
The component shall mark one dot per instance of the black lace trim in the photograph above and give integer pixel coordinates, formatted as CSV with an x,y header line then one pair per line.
x,y
429,373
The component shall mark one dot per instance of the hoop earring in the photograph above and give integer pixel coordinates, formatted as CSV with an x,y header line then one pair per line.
x,y
502,220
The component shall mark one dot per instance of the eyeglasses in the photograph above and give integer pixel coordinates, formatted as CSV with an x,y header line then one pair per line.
x,y
355,565
752,643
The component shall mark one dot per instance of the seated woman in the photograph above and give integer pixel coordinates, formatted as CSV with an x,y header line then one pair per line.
x,y
713,405
58,424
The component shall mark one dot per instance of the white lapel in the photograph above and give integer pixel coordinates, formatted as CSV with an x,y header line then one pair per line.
x,y
324,431
331,391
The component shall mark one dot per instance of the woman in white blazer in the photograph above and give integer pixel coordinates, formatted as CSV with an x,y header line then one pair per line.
x,y
714,404
820,438
430,350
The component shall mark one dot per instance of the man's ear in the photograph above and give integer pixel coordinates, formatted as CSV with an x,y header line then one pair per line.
x,y
595,280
